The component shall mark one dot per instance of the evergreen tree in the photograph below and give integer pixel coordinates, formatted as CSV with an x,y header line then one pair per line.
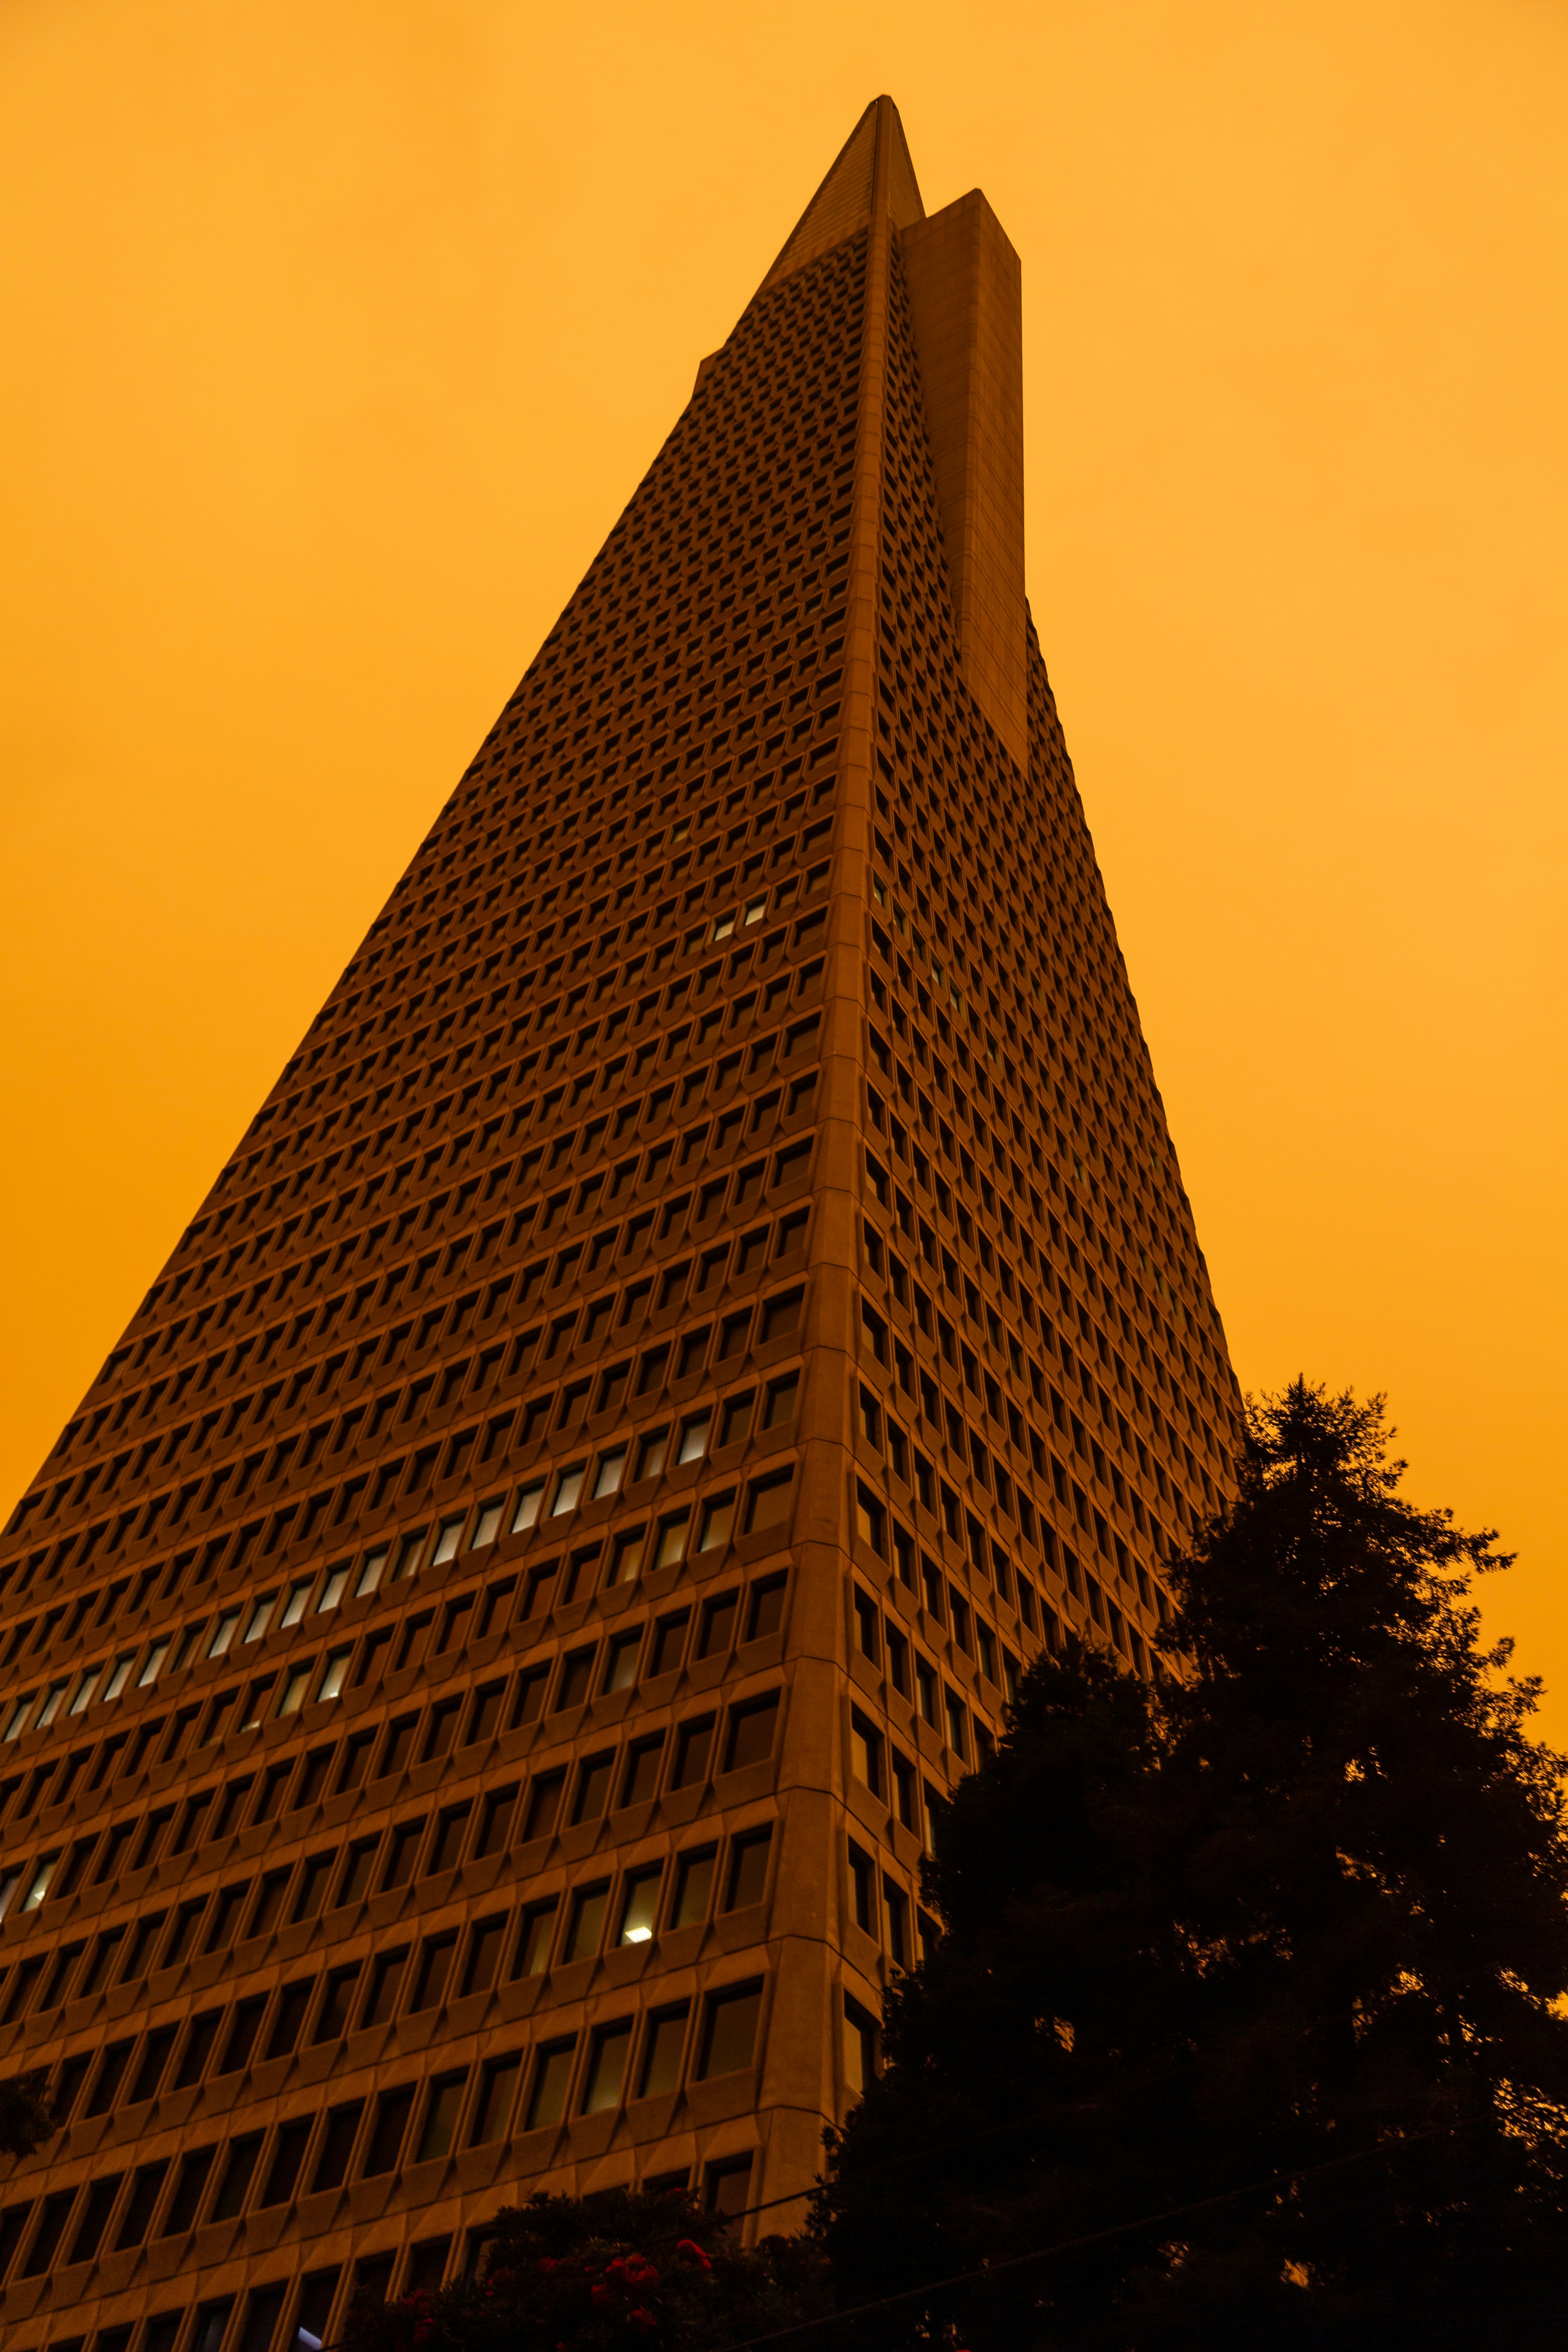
x,y
26,2112
1292,1924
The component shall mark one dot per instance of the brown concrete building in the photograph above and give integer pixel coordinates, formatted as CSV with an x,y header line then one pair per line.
x,y
710,1298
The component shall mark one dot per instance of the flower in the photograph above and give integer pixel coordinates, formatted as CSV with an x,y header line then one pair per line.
x,y
641,2318
693,2253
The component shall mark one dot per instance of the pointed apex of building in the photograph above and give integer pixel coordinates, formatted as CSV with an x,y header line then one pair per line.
x,y
872,167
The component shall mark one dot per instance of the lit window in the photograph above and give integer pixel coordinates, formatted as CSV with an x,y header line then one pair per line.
x,y
528,1503
607,1479
371,1574
489,1525
568,1487
334,1674
718,1522
260,1617
223,1635
639,1908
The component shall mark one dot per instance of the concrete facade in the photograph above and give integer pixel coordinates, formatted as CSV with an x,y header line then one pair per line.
x,y
710,1300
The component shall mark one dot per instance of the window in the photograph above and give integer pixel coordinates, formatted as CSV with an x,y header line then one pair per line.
x,y
568,1488
533,1944
485,1945
287,2155
639,1905
672,1545
866,1626
621,1661
730,2030
576,1678
498,2096
544,1804
904,1790
748,1870
484,1719
441,2114
405,1843
528,1505
434,1968
594,1777
752,1730
925,1691
333,2020
957,1724
862,1890
669,1643
607,2057
864,1752
392,2112
694,1432
587,1924
552,2079
607,1479
871,1520
693,1742
781,1316
859,2048
779,1407
650,1454
717,1522
236,2183
693,1887
662,2053
625,1556
718,1627
385,1985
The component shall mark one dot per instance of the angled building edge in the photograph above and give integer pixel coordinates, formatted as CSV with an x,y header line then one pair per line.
x,y
710,1300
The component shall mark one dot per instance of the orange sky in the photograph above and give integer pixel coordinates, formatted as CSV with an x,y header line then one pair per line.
x,y
335,333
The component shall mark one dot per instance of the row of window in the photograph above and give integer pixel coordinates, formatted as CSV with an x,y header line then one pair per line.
x,y
800,982
632,1909
804,938
560,1412
645,1654
523,2090
747,1615
723,1263
764,1506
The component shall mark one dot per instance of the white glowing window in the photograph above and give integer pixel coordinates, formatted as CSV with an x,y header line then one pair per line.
x,y
334,1674
371,1574
611,1467
568,1488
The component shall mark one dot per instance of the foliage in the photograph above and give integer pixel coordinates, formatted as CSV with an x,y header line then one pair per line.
x,y
27,2113
1297,1910
617,2269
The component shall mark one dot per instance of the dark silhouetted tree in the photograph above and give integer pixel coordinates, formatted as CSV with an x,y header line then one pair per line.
x,y
27,2113
1297,1910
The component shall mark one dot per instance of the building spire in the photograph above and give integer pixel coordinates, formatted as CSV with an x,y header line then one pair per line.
x,y
872,166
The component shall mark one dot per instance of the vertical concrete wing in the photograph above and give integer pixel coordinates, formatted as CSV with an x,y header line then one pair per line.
x,y
965,296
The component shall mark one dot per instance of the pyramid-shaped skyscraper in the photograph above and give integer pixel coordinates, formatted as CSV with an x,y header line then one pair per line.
x,y
710,1300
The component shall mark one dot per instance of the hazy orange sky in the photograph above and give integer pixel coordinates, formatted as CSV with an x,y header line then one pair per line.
x,y
335,334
